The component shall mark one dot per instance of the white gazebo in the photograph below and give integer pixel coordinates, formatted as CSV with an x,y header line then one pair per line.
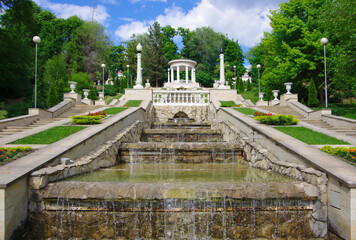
x,y
174,78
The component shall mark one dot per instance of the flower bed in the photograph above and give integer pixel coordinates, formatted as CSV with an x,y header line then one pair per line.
x,y
345,153
91,118
280,120
10,154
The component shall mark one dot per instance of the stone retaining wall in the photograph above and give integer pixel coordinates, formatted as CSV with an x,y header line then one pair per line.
x,y
259,157
105,155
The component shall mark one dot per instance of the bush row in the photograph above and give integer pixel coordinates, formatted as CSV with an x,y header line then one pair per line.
x,y
277,119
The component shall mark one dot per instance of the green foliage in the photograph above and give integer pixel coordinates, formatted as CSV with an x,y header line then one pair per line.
x,y
86,119
49,136
252,95
312,95
93,94
309,136
248,85
18,109
277,119
240,86
227,103
83,81
110,90
52,98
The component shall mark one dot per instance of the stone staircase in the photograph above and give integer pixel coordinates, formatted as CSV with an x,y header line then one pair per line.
x,y
75,110
319,123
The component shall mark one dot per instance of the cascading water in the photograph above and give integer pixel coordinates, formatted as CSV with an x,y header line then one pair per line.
x,y
176,190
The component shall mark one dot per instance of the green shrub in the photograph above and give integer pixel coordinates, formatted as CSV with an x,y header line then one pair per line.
x,y
86,120
19,109
227,103
312,94
278,120
248,87
110,90
93,94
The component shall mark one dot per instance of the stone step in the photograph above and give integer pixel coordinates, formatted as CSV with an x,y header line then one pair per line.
x,y
148,152
18,127
11,130
181,135
164,125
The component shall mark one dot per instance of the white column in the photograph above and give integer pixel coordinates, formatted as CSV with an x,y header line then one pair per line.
x,y
192,77
139,73
172,74
186,74
168,76
193,74
178,75
222,72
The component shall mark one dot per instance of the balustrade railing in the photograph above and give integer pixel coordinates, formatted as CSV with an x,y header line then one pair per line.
x,y
181,98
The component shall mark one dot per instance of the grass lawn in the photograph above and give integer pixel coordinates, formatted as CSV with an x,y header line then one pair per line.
x,y
252,95
246,111
50,135
227,103
349,115
310,137
114,110
133,103
109,99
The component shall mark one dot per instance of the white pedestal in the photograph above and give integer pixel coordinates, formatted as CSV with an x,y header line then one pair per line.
x,y
87,101
274,102
76,96
288,97
100,102
262,103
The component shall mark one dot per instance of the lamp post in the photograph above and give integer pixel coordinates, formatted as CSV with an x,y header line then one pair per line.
x,y
36,40
139,69
128,68
103,66
324,41
235,72
258,67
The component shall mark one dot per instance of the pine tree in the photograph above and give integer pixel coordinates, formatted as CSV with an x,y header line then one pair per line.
x,y
241,86
249,88
312,94
52,97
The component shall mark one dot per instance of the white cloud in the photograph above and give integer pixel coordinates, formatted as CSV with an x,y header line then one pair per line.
x,y
113,2
124,32
137,1
241,19
84,12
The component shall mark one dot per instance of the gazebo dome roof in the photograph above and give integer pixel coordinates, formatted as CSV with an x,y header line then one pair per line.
x,y
182,62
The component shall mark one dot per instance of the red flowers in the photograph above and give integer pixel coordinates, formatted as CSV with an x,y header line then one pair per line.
x,y
102,113
263,114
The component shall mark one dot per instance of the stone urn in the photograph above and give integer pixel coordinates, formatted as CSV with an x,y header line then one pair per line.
x,y
72,86
288,87
86,93
275,94
101,96
261,96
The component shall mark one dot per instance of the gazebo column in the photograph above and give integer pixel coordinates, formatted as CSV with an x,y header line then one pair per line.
x,y
186,74
172,74
178,75
193,80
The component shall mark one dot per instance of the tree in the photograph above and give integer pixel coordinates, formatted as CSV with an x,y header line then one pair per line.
x,y
155,61
248,86
170,48
312,95
292,51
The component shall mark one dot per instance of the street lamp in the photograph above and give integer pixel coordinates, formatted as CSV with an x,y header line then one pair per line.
x,y
128,68
258,67
103,66
36,40
235,72
324,41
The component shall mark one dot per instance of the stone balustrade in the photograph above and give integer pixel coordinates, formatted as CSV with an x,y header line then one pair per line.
x,y
181,98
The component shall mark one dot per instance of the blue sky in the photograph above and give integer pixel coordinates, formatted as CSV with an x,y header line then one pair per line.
x,y
244,20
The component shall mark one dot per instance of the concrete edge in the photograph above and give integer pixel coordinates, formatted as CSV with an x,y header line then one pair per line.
x,y
292,145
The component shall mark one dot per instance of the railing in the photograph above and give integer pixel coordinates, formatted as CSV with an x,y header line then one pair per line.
x,y
181,98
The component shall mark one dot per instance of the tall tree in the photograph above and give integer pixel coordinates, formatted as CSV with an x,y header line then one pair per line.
x,y
154,55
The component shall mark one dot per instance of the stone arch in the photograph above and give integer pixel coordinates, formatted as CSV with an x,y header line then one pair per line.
x,y
180,114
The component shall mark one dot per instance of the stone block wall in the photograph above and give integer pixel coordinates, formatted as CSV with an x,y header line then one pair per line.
x,y
198,113
257,156
105,155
